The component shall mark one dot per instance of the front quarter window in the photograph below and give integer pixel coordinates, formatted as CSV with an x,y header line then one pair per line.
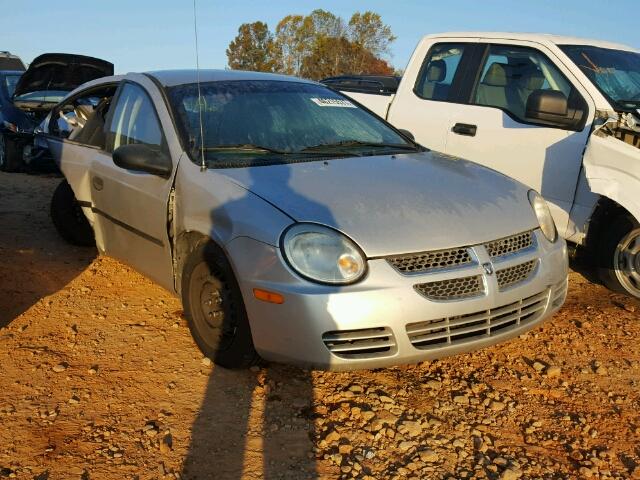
x,y
616,73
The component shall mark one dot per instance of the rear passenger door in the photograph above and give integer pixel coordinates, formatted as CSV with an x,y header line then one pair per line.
x,y
490,124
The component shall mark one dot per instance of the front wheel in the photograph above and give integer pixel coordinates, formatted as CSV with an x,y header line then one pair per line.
x,y
215,310
619,265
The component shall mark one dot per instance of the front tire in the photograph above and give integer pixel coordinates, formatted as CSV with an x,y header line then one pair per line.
x,y
215,310
619,256
68,217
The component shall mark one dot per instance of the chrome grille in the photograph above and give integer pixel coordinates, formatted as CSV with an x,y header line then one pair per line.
x,y
508,245
430,261
364,343
453,289
474,326
508,277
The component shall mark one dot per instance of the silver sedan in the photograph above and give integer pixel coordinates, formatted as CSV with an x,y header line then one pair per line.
x,y
295,225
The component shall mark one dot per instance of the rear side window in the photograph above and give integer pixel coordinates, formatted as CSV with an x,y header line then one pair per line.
x,y
511,74
134,120
438,71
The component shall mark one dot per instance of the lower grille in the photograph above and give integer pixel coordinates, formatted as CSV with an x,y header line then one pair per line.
x,y
462,329
453,289
364,343
508,277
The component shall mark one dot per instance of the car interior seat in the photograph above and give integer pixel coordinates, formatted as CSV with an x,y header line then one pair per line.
x,y
93,132
528,78
432,88
492,90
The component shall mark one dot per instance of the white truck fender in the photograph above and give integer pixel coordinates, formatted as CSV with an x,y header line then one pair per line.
x,y
612,168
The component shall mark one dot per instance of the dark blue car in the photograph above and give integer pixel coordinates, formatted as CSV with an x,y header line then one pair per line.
x,y
27,97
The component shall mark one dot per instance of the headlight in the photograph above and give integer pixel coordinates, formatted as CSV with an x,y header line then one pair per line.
x,y
545,219
322,254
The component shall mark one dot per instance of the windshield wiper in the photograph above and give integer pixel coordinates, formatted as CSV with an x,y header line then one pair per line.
x,y
245,146
356,143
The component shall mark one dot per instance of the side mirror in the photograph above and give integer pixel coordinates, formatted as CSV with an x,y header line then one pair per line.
x,y
407,134
143,158
548,106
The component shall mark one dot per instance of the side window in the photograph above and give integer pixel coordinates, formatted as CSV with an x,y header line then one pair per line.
x,y
134,120
438,71
82,119
511,74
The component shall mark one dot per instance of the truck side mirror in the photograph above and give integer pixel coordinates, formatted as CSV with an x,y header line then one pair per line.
x,y
547,106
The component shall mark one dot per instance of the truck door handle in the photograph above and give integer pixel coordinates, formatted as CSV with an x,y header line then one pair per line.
x,y
465,129
97,183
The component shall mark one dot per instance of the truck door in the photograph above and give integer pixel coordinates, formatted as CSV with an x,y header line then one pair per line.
x,y
495,127
434,78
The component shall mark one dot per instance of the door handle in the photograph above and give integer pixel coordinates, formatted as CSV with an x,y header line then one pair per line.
x,y
97,183
465,129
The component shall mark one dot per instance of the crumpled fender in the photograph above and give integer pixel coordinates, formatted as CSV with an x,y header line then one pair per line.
x,y
612,168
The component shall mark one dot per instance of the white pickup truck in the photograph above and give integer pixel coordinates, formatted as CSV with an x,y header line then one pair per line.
x,y
559,114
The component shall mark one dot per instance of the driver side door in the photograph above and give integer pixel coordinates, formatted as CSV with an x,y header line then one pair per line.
x,y
131,206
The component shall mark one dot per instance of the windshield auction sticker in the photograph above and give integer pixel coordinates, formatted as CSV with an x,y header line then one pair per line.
x,y
333,102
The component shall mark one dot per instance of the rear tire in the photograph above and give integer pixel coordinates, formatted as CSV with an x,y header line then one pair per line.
x,y
10,155
619,256
215,310
68,217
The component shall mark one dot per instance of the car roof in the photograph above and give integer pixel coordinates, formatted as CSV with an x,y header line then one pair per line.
x,y
545,38
170,78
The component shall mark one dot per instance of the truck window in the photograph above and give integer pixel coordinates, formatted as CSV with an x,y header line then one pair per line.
x,y
438,71
510,74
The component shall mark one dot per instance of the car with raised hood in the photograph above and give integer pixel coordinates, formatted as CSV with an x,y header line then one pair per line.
x,y
298,227
560,114
27,97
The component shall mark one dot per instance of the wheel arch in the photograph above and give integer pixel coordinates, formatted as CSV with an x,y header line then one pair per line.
x,y
186,243
605,211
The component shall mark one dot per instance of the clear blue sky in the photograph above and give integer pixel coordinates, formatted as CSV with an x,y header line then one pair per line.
x,y
139,35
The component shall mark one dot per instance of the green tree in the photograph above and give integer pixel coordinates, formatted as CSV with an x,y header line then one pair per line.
x,y
253,49
369,32
318,45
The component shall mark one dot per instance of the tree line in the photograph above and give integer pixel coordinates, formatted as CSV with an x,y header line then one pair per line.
x,y
315,46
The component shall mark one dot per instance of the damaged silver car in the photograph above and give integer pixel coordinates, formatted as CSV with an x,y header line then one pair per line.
x,y
297,226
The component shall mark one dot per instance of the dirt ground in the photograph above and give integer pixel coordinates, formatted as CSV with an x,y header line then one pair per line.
x,y
101,380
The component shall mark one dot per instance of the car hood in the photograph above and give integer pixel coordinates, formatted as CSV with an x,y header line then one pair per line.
x,y
62,72
396,204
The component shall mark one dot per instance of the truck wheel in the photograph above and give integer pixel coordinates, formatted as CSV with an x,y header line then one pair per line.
x,y
10,155
68,217
215,310
619,251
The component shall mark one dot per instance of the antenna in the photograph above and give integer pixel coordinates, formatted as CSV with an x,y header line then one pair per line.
x,y
203,165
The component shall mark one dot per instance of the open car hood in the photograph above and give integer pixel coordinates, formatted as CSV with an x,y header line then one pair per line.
x,y
62,72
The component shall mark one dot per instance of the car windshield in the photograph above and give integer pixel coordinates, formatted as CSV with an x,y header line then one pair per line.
x,y
10,82
616,73
47,96
251,122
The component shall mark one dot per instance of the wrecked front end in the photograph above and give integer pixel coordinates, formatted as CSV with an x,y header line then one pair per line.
x,y
612,159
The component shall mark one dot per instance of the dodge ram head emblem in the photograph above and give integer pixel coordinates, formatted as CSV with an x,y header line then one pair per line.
x,y
488,268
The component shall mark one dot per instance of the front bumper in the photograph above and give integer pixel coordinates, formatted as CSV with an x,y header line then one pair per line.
x,y
382,320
